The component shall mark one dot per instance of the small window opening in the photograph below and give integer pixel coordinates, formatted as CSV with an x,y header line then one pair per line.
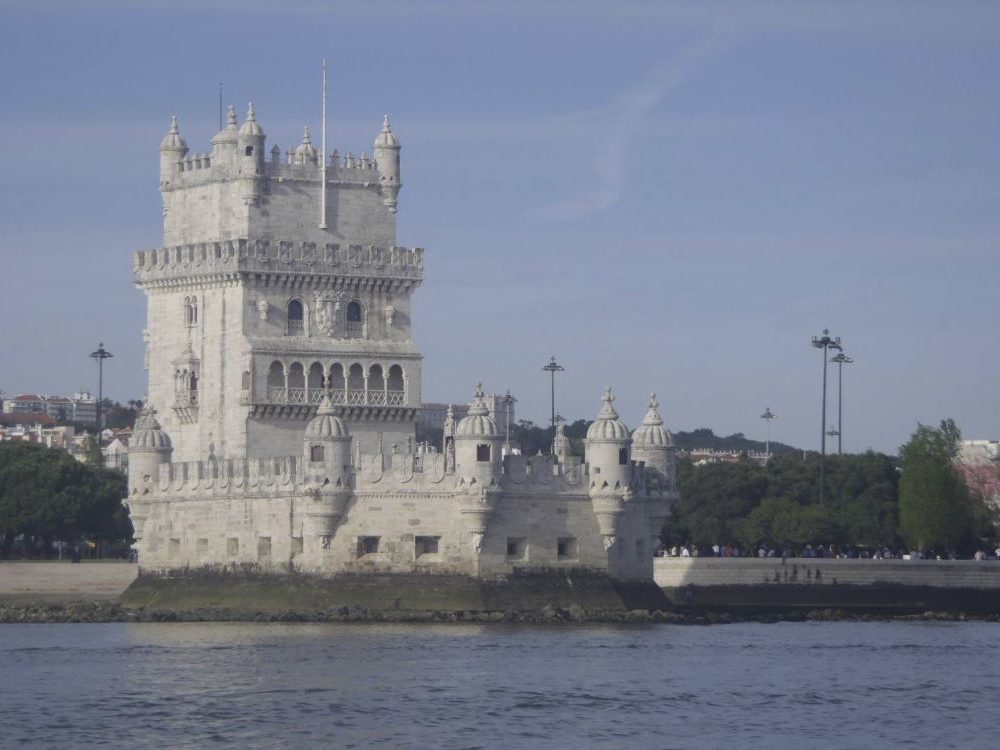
x,y
316,453
367,545
622,456
516,547
354,312
482,453
263,548
426,545
249,151
566,548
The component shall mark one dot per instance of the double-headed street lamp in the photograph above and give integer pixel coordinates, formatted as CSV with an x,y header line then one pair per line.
x,y
841,359
552,368
767,416
100,355
824,342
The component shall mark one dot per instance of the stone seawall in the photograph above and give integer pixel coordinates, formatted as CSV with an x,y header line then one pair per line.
x,y
798,584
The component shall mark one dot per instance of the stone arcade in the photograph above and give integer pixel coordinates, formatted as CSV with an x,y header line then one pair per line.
x,y
284,387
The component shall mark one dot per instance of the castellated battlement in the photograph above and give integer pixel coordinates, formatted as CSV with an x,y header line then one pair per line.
x,y
350,170
264,256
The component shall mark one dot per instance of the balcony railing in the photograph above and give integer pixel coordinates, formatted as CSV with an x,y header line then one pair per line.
x,y
352,397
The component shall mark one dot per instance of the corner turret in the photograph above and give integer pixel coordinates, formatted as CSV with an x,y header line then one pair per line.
x,y
326,449
653,444
477,458
149,448
224,143
250,157
386,150
172,150
607,448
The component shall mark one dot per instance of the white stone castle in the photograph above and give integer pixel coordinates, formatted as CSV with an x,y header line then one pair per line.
x,y
284,388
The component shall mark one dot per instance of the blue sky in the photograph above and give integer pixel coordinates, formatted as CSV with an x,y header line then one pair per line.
x,y
666,196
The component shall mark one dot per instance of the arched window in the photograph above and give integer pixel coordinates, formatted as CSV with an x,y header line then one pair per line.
x,y
276,383
355,320
295,317
337,382
395,387
315,381
375,380
296,384
356,385
194,310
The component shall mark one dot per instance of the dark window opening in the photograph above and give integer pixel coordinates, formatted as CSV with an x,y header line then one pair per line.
x,y
622,456
249,151
426,545
367,545
516,547
566,548
482,453
295,310
316,453
354,312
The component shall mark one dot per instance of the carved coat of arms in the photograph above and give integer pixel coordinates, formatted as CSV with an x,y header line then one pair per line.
x,y
328,306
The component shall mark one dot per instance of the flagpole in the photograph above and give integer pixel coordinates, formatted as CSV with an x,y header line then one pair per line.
x,y
322,169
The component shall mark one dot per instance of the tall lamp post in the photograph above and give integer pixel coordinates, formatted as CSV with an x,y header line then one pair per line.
x,y
841,359
825,342
100,355
552,368
767,416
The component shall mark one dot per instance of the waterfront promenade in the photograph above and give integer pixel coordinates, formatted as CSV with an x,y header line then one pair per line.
x,y
64,582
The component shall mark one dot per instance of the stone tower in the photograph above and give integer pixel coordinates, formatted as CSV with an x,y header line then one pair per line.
x,y
255,312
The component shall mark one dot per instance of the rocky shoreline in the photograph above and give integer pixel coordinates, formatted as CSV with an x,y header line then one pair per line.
x,y
106,612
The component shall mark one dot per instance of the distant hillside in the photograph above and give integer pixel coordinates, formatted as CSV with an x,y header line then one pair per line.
x,y
704,438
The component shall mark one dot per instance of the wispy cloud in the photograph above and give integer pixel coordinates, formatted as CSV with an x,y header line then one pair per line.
x,y
617,125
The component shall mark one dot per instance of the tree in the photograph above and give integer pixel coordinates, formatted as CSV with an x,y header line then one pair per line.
x,y
46,494
935,506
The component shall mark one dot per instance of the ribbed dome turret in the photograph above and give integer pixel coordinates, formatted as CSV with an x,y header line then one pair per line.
x,y
478,423
147,434
250,126
386,139
651,433
305,151
607,426
229,133
172,141
326,425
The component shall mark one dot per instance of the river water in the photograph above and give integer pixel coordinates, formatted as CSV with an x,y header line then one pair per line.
x,y
802,685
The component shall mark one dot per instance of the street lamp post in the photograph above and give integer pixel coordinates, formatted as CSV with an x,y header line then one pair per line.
x,y
841,359
552,368
767,416
100,355
825,343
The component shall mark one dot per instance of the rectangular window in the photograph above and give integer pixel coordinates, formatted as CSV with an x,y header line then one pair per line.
x,y
622,456
566,548
263,548
367,545
426,545
316,453
482,453
517,547
232,546
296,545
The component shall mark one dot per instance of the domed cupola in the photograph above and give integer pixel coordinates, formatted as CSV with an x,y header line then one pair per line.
x,y
250,126
386,138
305,152
326,425
231,132
651,433
173,141
607,426
147,434
478,423
149,447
